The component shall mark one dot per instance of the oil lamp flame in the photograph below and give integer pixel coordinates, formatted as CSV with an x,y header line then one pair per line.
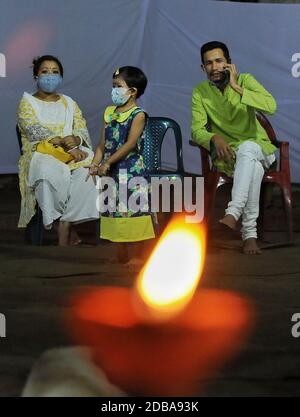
x,y
172,273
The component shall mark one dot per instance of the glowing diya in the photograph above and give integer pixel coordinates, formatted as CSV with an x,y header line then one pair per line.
x,y
162,337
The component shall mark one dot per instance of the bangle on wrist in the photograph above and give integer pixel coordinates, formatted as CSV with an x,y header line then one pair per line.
x,y
75,147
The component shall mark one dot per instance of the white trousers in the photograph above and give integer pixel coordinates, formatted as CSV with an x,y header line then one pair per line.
x,y
79,205
248,175
60,192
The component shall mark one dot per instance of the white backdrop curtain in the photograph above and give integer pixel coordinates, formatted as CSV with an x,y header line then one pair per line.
x,y
94,37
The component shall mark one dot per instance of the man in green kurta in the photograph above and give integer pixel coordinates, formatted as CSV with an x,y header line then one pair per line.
x,y
240,147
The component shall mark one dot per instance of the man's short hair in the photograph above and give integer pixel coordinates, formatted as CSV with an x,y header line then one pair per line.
x,y
209,46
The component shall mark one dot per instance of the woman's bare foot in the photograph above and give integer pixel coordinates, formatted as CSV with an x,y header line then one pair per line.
x,y
250,247
74,239
63,233
229,221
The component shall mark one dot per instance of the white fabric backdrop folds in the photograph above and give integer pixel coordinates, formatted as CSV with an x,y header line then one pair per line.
x,y
163,37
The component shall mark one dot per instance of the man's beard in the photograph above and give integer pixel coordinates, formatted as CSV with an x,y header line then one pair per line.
x,y
223,81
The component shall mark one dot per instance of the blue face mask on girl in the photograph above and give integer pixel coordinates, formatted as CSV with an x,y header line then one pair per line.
x,y
119,96
49,82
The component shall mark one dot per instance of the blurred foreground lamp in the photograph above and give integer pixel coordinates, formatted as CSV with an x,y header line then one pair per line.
x,y
163,337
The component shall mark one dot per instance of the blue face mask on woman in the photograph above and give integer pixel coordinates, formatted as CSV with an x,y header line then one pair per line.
x,y
49,82
119,96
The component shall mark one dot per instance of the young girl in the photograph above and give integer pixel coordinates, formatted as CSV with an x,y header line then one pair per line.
x,y
120,155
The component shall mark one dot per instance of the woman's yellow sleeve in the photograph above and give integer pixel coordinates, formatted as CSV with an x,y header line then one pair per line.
x,y
30,125
80,127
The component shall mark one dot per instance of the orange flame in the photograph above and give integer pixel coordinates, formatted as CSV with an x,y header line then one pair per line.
x,y
169,279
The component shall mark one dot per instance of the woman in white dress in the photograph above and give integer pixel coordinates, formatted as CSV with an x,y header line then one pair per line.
x,y
60,188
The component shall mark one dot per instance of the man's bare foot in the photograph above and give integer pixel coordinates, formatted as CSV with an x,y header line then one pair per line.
x,y
250,247
63,233
74,239
229,221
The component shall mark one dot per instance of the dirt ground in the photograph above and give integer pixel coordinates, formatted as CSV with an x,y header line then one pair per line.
x,y
35,283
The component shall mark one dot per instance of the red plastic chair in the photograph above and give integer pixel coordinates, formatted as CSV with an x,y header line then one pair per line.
x,y
279,175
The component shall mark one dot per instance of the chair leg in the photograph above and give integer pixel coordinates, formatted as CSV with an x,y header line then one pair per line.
x,y
35,230
287,202
261,217
97,232
211,185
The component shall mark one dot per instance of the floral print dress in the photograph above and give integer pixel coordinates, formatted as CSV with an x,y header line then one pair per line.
x,y
124,221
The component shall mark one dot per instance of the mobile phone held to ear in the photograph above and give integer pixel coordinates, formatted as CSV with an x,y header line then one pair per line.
x,y
226,76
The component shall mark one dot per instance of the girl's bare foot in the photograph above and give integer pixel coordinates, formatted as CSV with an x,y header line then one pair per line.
x,y
74,239
229,221
63,233
250,247
135,262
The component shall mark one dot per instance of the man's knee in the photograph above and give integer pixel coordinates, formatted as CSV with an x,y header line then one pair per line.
x,y
249,148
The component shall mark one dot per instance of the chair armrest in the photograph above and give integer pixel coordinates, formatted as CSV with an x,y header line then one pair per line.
x,y
277,142
205,158
284,157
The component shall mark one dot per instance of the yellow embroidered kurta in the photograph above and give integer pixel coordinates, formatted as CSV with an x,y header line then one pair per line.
x,y
39,120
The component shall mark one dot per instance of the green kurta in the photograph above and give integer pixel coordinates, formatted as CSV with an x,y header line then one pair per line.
x,y
231,116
